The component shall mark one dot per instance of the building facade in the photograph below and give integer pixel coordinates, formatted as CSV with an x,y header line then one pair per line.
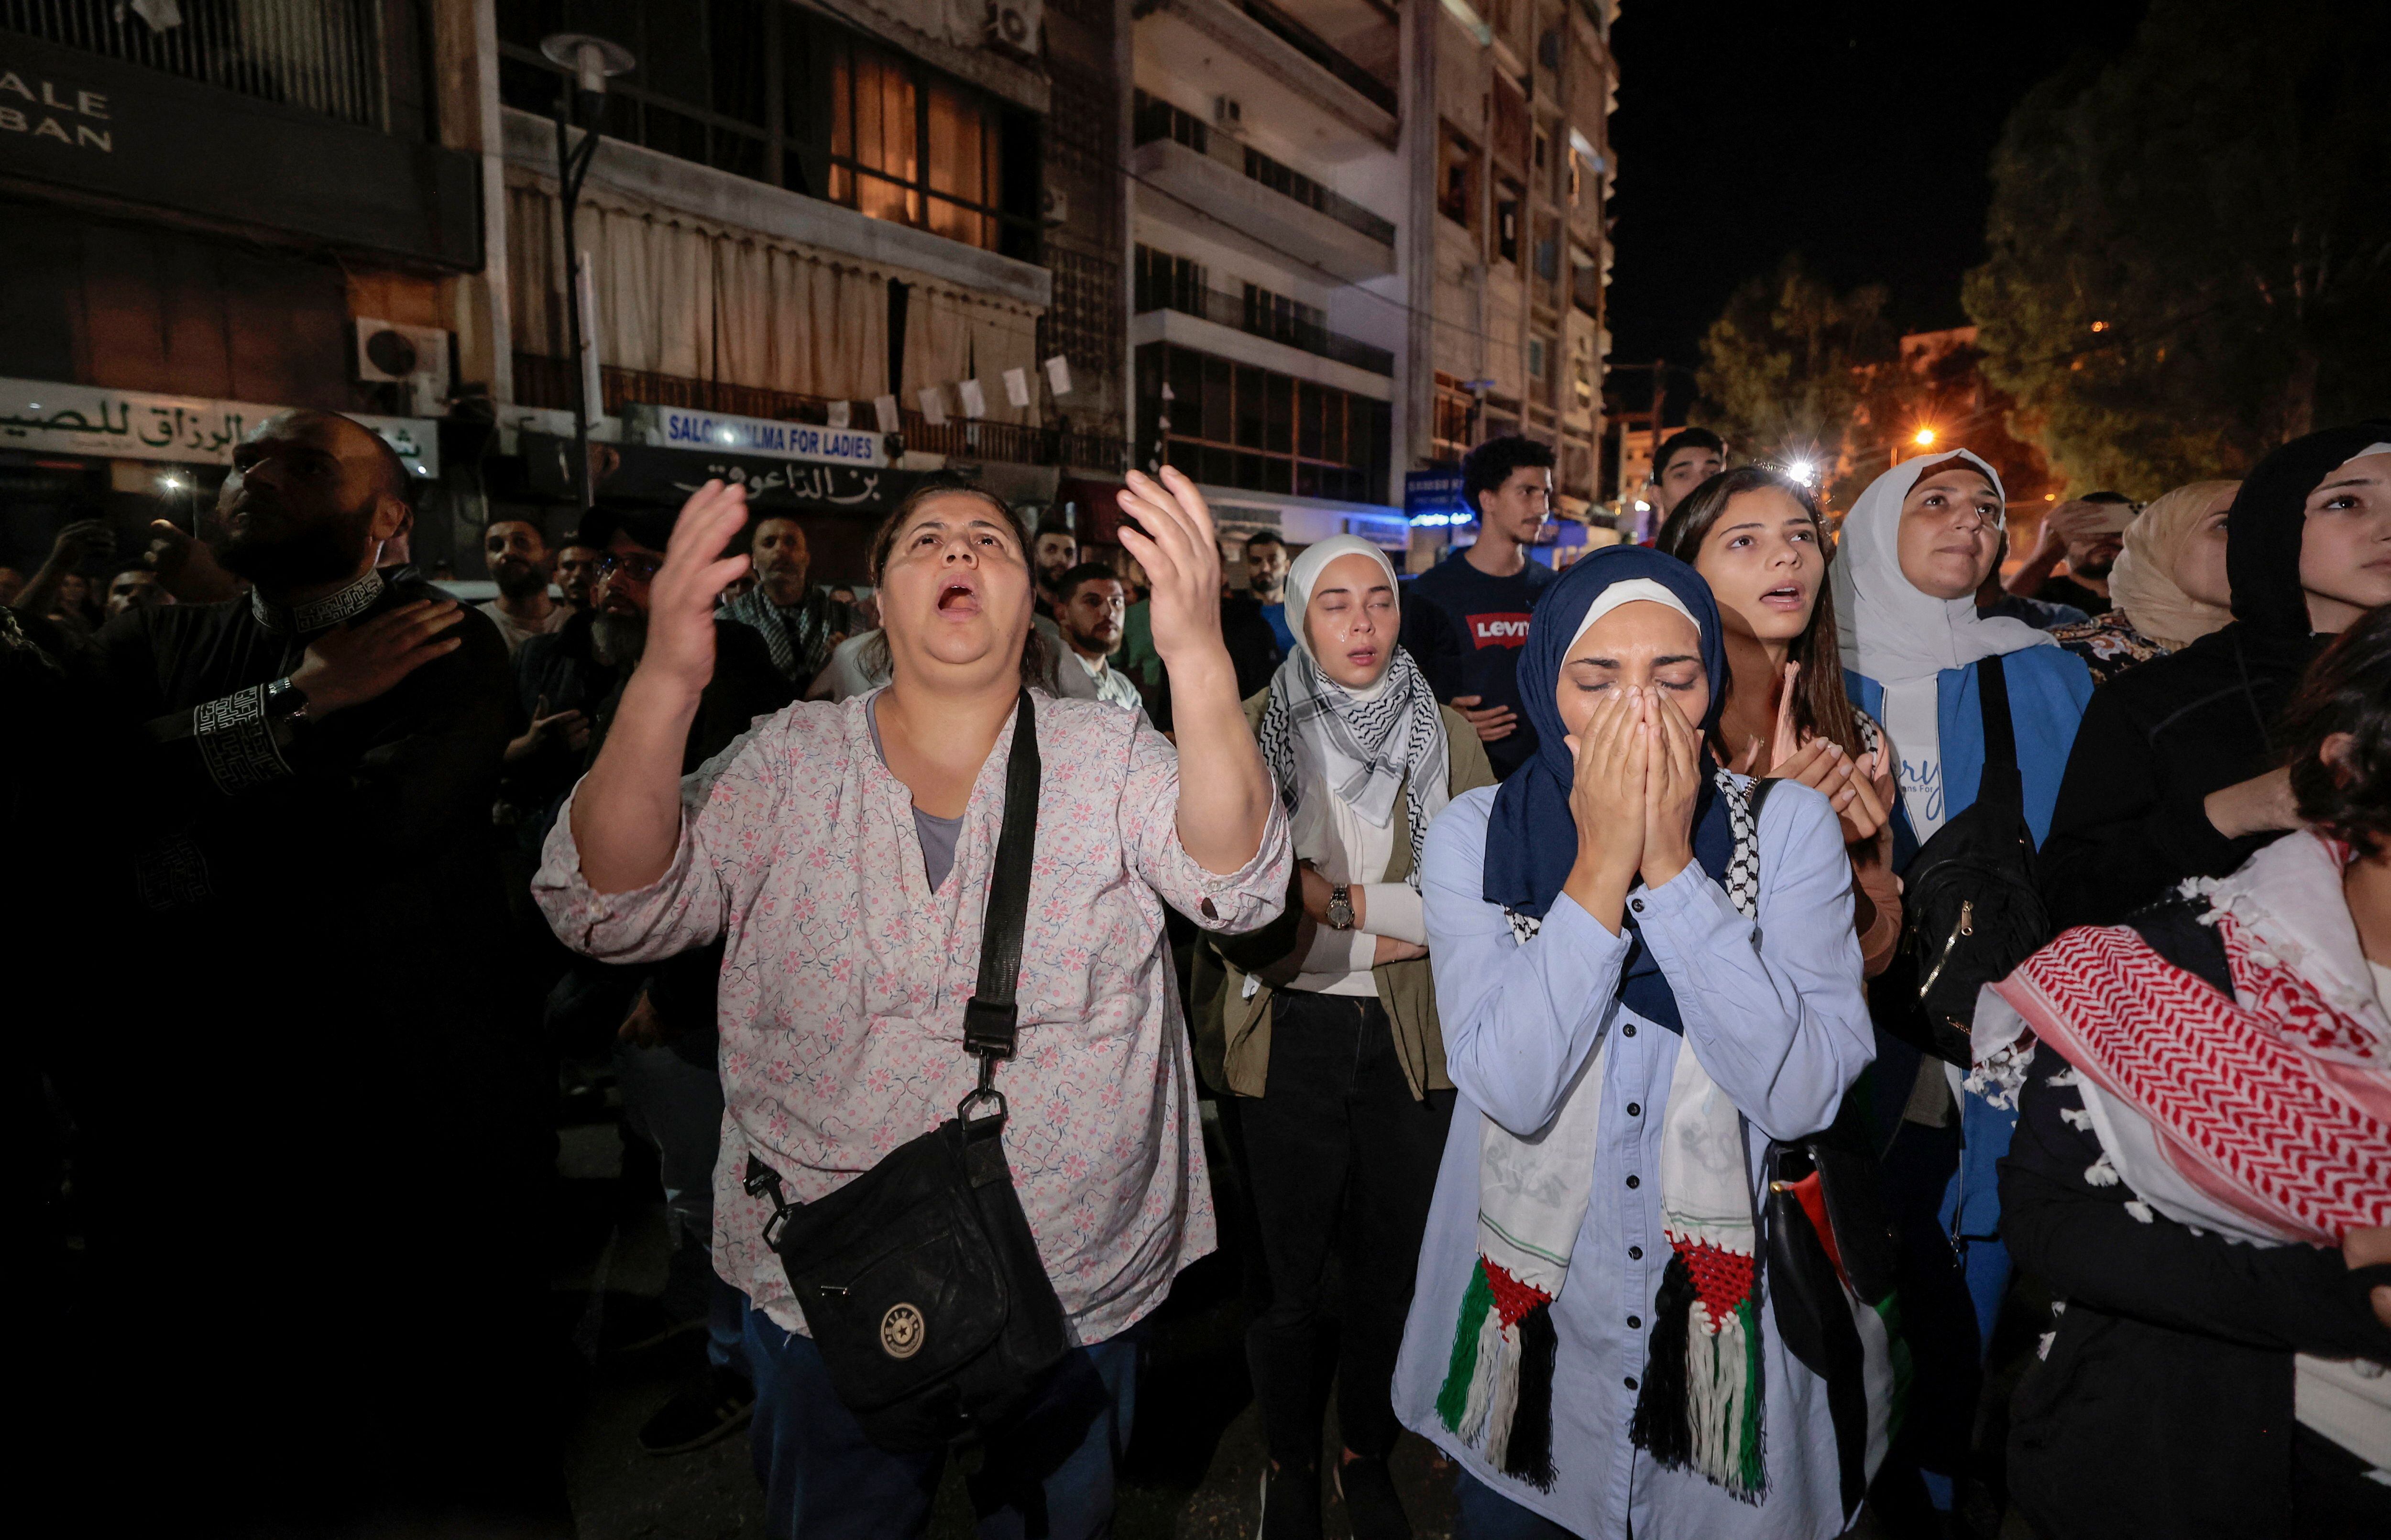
x,y
1367,235
859,219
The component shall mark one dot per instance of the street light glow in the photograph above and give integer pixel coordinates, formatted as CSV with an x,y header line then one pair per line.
x,y
1925,438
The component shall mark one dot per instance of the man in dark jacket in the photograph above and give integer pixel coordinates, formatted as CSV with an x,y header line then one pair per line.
x,y
660,1019
2170,774
315,1160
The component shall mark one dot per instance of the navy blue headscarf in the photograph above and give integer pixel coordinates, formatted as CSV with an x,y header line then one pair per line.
x,y
1531,836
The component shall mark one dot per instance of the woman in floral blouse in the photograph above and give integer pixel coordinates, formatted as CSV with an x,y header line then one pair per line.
x,y
843,853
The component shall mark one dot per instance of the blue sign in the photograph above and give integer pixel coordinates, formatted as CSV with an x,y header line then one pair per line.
x,y
1434,497
718,432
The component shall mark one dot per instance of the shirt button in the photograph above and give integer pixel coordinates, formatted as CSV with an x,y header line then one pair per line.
x,y
1629,1028
1631,1381
1636,1323
1636,1253
1635,1180
1638,905
1635,1109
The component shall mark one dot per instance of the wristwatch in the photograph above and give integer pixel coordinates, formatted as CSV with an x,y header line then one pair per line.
x,y
1340,907
285,702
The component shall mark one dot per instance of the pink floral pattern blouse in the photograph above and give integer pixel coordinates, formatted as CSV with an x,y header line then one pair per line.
x,y
844,981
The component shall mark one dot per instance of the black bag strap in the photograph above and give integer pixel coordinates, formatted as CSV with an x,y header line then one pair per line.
x,y
992,1019
2001,781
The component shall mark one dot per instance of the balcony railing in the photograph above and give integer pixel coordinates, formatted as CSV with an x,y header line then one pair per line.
x,y
544,381
332,56
1256,316
1154,119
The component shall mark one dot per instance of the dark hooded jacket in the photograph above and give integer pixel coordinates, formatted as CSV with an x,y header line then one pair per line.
x,y
2158,738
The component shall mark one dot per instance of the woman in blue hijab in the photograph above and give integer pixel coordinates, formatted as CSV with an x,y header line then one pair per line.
x,y
1641,984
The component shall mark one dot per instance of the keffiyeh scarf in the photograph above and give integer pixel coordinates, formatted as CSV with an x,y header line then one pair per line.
x,y
2266,1116
1368,747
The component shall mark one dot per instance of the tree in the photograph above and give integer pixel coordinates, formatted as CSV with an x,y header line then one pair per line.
x,y
2190,247
1784,365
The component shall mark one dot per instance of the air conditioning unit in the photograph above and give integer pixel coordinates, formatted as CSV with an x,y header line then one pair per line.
x,y
415,357
1228,112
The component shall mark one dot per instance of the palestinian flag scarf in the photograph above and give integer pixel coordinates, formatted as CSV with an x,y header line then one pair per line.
x,y
1700,1401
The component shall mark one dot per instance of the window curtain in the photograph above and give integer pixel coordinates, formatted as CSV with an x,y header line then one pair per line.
x,y
677,297
952,336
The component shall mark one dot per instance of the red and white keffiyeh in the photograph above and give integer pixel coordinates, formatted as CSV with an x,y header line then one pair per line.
x,y
2267,1116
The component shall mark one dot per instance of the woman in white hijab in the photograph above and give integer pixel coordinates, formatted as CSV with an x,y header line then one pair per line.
x,y
1916,546
1331,1046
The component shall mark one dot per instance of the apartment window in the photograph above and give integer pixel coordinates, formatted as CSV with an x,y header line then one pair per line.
x,y
1548,257
1230,424
763,90
1586,281
1456,181
911,146
1507,214
1168,282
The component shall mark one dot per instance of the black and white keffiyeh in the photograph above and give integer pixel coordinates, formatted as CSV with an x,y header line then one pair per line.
x,y
1366,745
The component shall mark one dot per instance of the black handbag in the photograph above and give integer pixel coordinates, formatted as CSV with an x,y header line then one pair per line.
x,y
1971,910
919,1280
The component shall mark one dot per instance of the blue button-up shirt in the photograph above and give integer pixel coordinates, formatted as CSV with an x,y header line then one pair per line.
x,y
1777,1016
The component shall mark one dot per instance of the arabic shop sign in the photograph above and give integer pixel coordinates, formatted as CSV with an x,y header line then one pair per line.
x,y
679,428
637,473
86,420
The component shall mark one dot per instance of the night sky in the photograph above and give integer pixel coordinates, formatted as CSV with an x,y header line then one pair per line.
x,y
1856,131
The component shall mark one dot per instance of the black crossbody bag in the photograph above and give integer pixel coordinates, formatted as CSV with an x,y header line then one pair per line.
x,y
919,1280
1971,910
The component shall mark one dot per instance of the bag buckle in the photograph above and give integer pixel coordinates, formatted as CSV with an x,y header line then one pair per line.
x,y
762,1180
988,1031
984,1091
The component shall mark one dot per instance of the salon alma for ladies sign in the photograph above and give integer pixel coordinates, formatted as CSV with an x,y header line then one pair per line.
x,y
718,432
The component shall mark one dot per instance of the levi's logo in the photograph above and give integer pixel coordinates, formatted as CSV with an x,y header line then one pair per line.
x,y
1499,631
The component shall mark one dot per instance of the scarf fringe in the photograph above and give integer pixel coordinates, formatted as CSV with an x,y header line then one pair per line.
x,y
1497,1394
1699,1406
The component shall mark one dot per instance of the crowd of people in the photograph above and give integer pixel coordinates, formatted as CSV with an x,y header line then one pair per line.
x,y
1665,1014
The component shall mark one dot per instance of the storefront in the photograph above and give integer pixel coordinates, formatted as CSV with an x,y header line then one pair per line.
x,y
837,483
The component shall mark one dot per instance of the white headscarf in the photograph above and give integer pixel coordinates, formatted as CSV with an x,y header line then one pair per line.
x,y
1902,638
1364,745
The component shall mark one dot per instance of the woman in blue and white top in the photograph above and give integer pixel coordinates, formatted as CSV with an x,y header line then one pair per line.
x,y
1916,546
1639,988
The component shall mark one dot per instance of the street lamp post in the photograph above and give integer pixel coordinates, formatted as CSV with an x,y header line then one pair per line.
x,y
592,60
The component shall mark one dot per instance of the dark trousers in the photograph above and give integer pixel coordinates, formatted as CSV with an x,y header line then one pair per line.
x,y
1938,1321
1047,1477
1342,1156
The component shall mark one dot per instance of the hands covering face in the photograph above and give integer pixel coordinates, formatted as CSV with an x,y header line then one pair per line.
x,y
1638,772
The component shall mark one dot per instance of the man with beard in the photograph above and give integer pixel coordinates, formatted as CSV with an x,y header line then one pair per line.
x,y
795,623
569,678
1093,600
2089,533
576,575
313,1165
516,553
657,1021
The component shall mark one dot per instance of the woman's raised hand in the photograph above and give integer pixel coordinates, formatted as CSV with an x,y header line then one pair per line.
x,y
1175,542
682,595
1671,787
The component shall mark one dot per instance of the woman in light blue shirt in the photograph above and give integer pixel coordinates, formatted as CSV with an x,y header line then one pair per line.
x,y
1639,989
